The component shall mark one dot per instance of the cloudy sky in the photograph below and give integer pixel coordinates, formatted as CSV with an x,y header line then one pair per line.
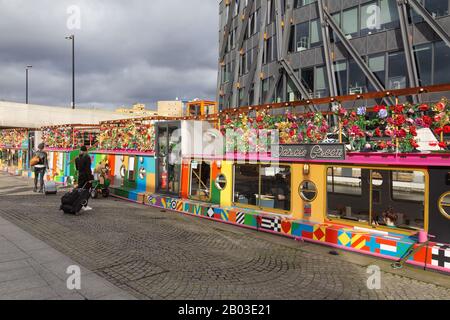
x,y
126,51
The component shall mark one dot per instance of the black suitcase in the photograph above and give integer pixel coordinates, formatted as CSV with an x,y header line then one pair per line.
x,y
72,202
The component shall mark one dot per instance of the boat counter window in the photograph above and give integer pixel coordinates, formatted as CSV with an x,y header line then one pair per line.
x,y
377,196
263,186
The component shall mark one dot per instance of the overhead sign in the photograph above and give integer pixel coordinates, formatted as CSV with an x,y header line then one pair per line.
x,y
331,151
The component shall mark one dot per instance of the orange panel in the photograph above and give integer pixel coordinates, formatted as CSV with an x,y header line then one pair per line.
x,y
185,179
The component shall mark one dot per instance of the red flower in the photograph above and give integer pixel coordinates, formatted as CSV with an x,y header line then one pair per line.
x,y
414,143
440,106
443,145
438,131
400,120
401,133
447,129
259,119
378,132
424,107
345,122
378,108
292,133
399,108
382,145
413,131
427,121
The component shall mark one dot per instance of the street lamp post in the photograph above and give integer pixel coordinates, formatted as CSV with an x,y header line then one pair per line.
x,y
26,83
72,37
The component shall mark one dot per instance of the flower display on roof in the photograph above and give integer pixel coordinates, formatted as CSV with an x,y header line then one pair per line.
x,y
127,136
13,138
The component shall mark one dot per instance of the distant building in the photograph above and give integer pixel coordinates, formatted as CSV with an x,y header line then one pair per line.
x,y
137,110
171,108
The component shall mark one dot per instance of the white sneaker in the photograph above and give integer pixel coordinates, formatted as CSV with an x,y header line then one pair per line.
x,y
87,208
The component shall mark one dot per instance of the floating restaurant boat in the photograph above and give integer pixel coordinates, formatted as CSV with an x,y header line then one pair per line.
x,y
368,186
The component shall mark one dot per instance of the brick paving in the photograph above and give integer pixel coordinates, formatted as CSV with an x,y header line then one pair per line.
x,y
163,255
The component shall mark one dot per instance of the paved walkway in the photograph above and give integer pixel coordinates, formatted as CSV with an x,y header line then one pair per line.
x,y
30,269
163,255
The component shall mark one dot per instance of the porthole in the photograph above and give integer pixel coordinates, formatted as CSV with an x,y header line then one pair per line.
x,y
444,205
221,182
142,173
308,191
123,172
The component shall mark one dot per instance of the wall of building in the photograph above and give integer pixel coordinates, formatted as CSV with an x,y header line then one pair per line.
x,y
384,46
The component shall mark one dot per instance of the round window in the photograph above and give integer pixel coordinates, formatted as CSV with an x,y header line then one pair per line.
x,y
142,173
308,191
221,182
122,171
444,205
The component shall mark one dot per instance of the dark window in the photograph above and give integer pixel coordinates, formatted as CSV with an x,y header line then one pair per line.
x,y
437,8
357,79
377,64
246,184
441,63
307,78
341,77
397,78
424,58
302,36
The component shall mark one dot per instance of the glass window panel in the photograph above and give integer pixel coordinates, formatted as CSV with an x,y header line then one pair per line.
x,y
441,63
316,33
397,71
377,64
350,22
275,187
321,88
357,79
424,58
344,190
369,18
341,77
437,8
302,36
405,208
389,14
246,184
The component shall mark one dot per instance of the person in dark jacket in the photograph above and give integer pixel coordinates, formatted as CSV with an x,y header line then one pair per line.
x,y
40,168
83,166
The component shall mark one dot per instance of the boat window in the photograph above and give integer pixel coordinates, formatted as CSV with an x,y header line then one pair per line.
x,y
444,205
221,182
345,196
408,185
308,191
275,187
264,186
344,181
200,180
246,184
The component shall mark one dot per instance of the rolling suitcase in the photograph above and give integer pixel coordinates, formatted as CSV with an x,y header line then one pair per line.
x,y
72,202
50,187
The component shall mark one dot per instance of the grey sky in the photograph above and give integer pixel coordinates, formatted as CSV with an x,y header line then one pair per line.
x,y
126,51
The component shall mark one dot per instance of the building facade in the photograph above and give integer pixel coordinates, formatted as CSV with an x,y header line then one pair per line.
x,y
287,50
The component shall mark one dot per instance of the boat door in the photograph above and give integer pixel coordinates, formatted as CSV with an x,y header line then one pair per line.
x,y
168,157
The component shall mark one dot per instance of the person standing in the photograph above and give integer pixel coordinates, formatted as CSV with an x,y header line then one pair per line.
x,y
83,166
40,168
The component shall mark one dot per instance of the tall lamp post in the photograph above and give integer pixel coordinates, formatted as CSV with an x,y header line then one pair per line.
x,y
26,83
72,37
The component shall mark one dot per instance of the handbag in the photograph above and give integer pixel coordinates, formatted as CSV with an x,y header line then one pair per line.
x,y
35,161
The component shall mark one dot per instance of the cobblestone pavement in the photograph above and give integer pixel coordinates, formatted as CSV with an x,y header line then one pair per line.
x,y
164,255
